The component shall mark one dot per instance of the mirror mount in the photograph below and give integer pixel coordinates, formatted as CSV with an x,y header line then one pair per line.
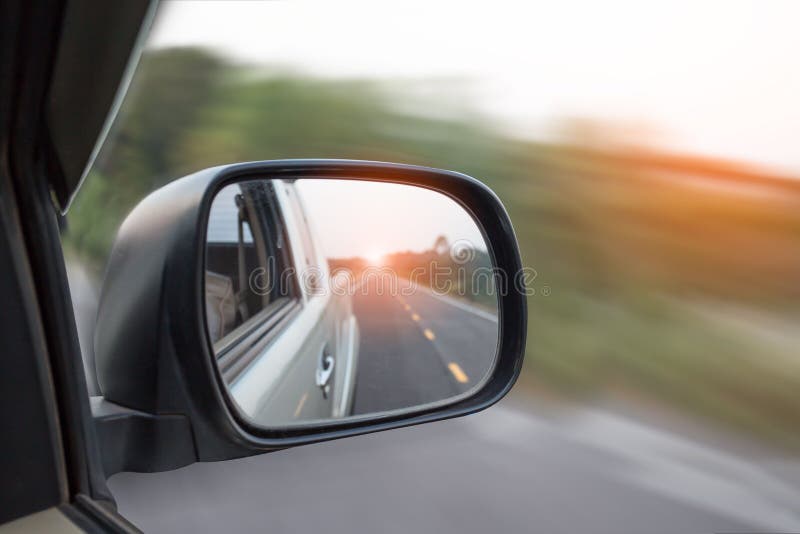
x,y
163,395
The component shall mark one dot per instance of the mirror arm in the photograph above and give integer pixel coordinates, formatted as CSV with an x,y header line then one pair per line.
x,y
131,440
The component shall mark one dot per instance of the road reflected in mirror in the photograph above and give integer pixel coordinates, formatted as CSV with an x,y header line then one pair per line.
x,y
328,299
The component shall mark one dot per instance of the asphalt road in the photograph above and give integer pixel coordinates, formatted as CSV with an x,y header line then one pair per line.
x,y
512,468
503,470
418,347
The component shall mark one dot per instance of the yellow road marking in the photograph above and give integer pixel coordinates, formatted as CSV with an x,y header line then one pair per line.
x,y
300,405
460,375
408,308
429,334
415,316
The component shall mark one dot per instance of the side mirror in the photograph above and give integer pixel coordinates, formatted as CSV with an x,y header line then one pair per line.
x,y
258,306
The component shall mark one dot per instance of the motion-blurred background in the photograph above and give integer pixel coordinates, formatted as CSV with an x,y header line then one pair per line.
x,y
648,158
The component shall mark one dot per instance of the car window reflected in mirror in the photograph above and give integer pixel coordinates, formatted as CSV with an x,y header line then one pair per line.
x,y
328,299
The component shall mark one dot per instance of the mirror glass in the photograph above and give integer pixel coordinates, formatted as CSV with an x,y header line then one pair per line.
x,y
328,299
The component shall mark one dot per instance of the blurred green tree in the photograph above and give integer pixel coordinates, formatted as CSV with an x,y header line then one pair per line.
x,y
644,262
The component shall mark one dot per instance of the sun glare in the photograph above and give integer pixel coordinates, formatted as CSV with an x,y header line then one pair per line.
x,y
374,257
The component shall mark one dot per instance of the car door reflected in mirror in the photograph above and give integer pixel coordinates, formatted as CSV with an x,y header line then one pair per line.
x,y
327,299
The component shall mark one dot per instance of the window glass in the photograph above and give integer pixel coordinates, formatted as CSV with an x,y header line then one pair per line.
x,y
311,279
308,252
646,153
245,258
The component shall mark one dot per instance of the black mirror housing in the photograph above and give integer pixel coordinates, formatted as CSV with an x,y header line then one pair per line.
x,y
164,403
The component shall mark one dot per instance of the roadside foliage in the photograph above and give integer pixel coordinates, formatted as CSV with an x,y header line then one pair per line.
x,y
672,281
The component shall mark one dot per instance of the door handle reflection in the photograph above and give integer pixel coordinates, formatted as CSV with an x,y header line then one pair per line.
x,y
324,372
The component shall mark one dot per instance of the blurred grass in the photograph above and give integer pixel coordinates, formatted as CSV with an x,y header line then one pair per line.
x,y
647,265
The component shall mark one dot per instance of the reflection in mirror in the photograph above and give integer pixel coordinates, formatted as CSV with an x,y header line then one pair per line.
x,y
328,299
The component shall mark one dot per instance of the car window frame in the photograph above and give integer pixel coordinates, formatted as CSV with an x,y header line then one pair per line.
x,y
35,187
312,268
239,348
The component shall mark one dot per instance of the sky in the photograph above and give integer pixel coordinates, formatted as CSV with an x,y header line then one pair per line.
x,y
369,219
363,219
719,78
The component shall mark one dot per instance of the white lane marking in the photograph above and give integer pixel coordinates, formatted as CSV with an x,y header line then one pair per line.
x,y
460,305
660,462
693,473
